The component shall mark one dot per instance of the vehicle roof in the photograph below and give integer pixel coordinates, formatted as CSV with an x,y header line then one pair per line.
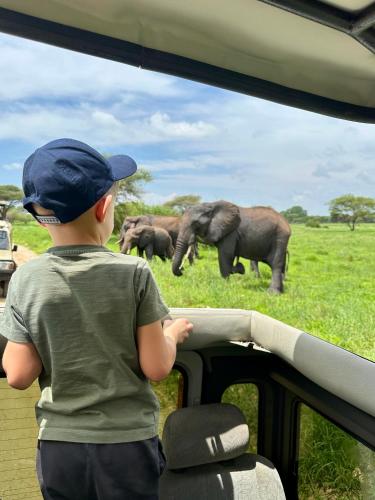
x,y
4,224
315,55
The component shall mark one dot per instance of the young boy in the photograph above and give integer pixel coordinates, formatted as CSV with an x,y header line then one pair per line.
x,y
87,322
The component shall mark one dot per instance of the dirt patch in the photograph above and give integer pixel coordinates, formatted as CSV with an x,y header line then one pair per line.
x,y
23,254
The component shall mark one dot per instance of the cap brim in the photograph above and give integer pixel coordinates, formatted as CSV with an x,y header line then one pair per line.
x,y
122,166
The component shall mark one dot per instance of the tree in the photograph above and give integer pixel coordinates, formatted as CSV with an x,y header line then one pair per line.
x,y
351,209
181,203
131,187
10,194
295,214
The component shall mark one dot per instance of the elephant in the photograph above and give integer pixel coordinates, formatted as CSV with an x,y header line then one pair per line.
x,y
259,234
169,223
148,239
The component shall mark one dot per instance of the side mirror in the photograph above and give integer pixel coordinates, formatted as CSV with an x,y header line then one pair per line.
x,y
14,249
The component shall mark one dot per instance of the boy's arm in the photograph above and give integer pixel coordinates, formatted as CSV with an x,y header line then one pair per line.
x,y
157,346
22,364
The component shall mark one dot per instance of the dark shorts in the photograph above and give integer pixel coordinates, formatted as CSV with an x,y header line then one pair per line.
x,y
80,471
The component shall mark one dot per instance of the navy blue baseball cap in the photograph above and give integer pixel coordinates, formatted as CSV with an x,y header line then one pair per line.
x,y
69,177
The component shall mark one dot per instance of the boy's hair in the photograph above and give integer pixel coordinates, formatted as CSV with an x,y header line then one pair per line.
x,y
67,177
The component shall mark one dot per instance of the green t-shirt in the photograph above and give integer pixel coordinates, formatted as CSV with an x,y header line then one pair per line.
x,y
80,306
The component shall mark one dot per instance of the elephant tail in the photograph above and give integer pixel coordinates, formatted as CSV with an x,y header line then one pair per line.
x,y
170,250
286,263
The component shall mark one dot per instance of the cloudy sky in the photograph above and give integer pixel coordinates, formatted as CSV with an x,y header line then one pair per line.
x,y
194,139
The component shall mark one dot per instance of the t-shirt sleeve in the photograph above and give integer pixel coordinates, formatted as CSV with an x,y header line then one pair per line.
x,y
12,325
150,305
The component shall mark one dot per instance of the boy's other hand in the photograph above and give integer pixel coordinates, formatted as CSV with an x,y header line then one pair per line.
x,y
179,329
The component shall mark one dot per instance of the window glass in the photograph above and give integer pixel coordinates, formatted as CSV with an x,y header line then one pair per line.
x,y
332,464
169,392
4,241
245,396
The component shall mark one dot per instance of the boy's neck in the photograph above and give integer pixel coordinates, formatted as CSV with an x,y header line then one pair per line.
x,y
64,236
60,242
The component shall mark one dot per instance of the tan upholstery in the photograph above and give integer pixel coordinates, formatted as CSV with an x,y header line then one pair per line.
x,y
339,371
220,429
205,446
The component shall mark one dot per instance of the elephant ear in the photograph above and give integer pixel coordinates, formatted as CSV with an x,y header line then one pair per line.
x,y
144,233
225,219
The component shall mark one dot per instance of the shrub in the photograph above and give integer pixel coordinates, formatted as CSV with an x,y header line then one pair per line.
x,y
312,222
19,215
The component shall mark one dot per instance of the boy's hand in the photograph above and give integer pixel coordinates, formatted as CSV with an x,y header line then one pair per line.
x,y
179,329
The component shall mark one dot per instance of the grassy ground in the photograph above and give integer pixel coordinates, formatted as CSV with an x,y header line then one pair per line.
x,y
329,293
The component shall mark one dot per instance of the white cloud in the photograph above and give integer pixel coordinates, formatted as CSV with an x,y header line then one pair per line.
x,y
151,198
12,166
34,70
38,124
163,124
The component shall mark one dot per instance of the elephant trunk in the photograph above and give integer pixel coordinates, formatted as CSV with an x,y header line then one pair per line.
x,y
125,247
180,251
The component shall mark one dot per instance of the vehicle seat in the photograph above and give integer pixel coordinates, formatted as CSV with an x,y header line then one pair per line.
x,y
205,447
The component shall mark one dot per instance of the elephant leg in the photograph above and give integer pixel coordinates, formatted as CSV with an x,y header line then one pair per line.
x,y
276,285
238,267
226,251
196,251
140,252
255,268
277,265
149,250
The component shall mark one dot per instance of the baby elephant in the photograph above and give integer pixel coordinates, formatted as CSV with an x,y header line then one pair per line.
x,y
149,239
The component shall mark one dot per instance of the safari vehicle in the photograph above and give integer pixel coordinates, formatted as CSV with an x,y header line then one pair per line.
x,y
7,264
314,55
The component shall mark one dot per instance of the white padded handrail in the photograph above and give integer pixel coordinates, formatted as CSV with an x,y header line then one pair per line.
x,y
341,372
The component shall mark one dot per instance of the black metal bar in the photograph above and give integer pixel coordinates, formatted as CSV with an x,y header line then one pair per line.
x,y
316,11
355,422
125,52
328,15
364,21
367,38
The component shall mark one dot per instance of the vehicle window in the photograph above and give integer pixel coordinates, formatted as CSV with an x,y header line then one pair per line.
x,y
331,463
4,241
245,396
18,439
169,393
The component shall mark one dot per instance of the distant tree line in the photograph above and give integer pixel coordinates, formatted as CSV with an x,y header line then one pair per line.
x,y
347,208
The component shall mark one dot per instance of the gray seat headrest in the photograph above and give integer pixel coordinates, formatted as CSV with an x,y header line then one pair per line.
x,y
204,434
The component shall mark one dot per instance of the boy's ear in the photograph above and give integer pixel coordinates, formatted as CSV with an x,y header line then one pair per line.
x,y
102,207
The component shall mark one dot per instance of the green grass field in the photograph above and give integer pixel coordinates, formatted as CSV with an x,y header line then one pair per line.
x,y
329,292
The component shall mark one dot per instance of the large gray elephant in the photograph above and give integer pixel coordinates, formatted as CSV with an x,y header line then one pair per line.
x,y
257,233
148,239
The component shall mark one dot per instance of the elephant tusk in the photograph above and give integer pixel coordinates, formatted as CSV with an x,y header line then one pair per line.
x,y
185,257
